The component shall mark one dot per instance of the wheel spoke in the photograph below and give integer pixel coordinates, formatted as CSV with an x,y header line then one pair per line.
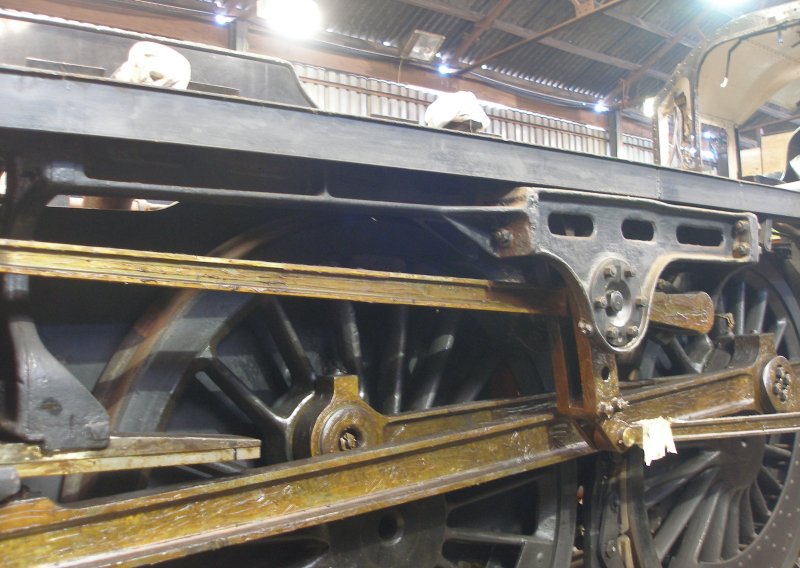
x,y
747,528
473,384
694,535
435,361
760,510
495,538
679,355
716,529
660,486
756,312
778,330
288,342
394,361
739,305
730,544
769,482
238,392
490,490
776,455
684,509
351,343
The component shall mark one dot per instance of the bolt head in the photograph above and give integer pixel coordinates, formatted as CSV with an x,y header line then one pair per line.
x,y
632,331
776,389
786,380
779,372
605,409
601,302
616,301
585,327
742,227
742,249
783,396
610,272
630,271
640,301
502,237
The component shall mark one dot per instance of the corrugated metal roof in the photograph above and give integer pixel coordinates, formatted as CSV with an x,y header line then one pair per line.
x,y
590,57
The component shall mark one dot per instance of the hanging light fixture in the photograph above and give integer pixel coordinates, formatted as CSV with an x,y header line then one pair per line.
x,y
291,18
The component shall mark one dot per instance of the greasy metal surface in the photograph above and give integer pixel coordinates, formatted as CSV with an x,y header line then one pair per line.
x,y
431,452
132,451
279,499
225,123
719,393
735,426
186,271
692,312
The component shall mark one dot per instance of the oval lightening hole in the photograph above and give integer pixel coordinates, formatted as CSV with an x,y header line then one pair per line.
x,y
699,236
567,225
636,230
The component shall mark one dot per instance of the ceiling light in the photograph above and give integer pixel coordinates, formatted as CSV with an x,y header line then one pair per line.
x,y
445,70
600,107
291,18
649,107
422,46
222,19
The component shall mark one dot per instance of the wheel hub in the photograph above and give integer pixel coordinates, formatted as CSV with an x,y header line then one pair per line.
x,y
741,459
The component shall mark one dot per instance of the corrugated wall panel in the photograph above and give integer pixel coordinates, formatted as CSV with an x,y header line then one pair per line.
x,y
361,96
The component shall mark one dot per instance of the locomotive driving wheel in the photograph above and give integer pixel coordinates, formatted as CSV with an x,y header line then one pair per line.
x,y
238,364
729,502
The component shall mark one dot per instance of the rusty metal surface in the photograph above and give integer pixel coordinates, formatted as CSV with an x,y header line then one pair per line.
x,y
130,452
685,312
207,273
278,499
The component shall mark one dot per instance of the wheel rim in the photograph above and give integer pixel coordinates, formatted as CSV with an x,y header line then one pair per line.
x,y
410,359
727,503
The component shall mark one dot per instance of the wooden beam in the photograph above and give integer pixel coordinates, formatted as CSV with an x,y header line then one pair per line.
x,y
526,34
480,27
646,65
536,37
643,24
600,57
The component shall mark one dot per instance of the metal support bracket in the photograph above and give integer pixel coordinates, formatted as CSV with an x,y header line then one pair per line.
x,y
614,291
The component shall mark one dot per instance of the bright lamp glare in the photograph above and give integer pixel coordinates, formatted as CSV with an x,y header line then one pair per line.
x,y
600,107
291,18
725,4
649,107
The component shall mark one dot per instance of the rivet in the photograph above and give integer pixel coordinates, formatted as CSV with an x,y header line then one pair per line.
x,y
742,249
742,227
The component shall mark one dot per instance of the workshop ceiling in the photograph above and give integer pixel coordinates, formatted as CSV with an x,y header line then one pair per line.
x,y
579,49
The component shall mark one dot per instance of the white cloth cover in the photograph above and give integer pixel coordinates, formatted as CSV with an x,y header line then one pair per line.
x,y
456,107
155,64
656,439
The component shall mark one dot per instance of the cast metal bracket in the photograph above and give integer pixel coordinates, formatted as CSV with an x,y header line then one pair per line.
x,y
611,251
